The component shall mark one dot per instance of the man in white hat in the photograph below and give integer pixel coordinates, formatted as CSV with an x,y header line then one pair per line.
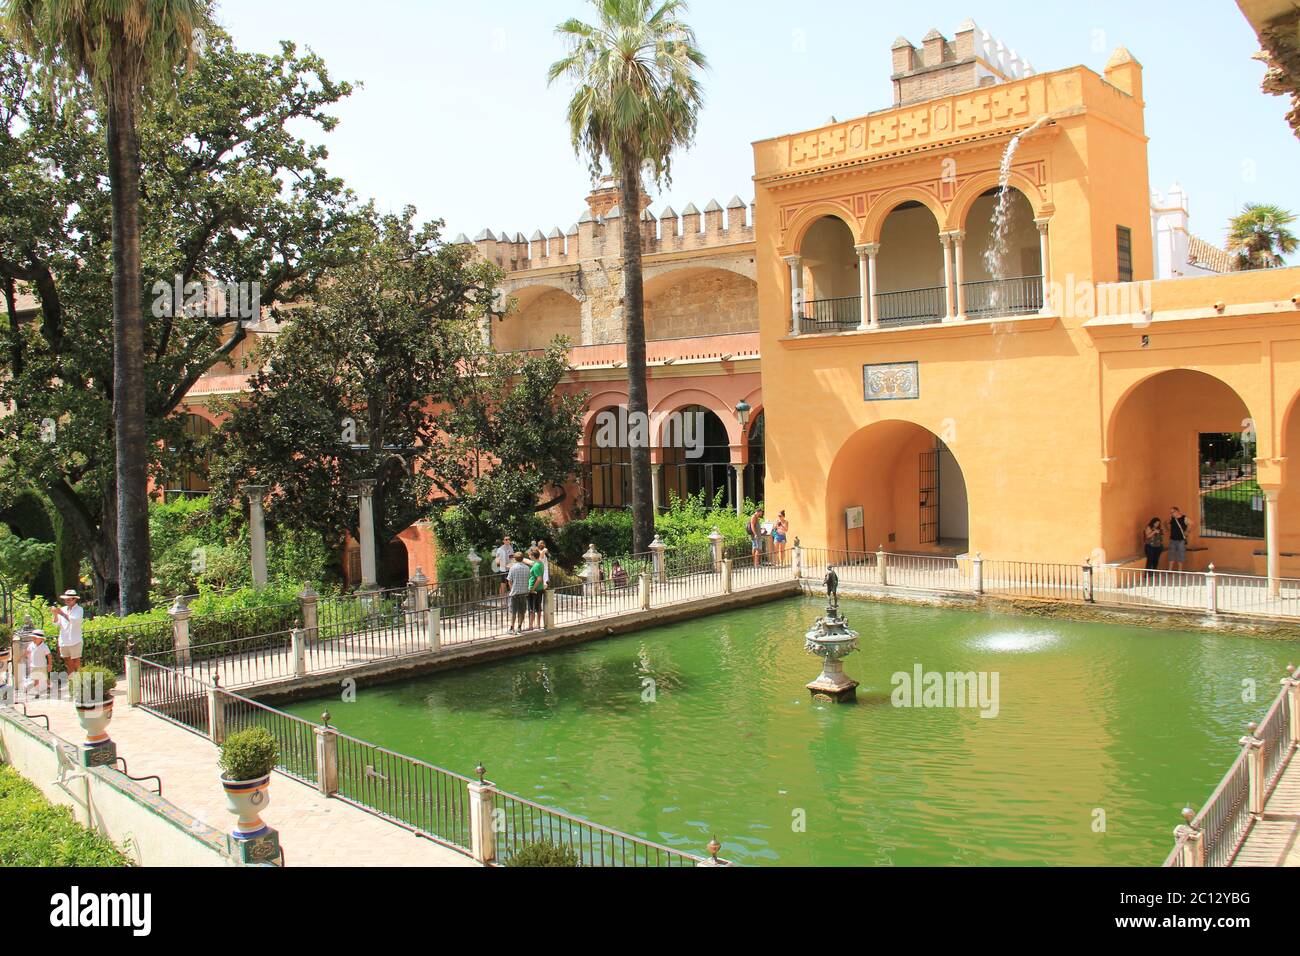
x,y
69,617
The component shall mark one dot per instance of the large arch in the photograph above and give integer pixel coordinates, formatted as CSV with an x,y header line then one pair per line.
x,y
703,467
803,220
1003,278
971,190
911,282
699,301
1161,439
541,312
909,486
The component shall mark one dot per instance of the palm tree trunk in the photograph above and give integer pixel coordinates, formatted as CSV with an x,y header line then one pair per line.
x,y
638,404
130,436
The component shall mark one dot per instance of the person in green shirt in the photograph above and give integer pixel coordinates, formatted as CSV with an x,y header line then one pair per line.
x,y
536,589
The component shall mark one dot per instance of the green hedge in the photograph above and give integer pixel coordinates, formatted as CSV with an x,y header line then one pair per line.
x,y
34,832
1231,516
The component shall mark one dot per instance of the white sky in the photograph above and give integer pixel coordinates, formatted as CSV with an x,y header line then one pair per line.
x,y
455,116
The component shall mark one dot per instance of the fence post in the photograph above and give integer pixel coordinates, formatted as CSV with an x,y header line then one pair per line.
x,y
133,680
327,757
714,847
643,581
548,610
1211,590
882,564
657,548
1292,683
715,546
1193,840
16,663
726,575
180,615
474,560
309,610
482,803
418,588
216,715
298,651
796,560
1089,593
433,633
1255,768
591,574
977,573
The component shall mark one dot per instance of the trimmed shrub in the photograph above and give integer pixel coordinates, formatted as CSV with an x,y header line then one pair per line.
x,y
248,754
33,832
91,685
544,853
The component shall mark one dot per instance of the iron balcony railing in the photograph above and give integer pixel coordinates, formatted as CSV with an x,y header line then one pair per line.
x,y
831,315
1020,295
911,306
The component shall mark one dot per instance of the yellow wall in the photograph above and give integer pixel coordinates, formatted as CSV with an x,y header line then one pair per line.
x,y
1035,410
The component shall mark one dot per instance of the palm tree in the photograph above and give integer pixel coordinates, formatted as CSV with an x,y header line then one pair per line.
x,y
122,48
1259,236
636,99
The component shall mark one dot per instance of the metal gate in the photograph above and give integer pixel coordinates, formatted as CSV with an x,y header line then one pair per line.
x,y
929,497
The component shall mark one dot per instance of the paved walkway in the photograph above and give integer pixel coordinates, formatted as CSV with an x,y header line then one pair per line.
x,y
314,830
1274,839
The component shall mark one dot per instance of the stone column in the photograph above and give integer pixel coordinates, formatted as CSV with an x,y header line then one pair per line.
x,y
474,560
366,532
715,547
592,572
796,291
180,615
864,288
1043,257
482,837
958,242
657,548
1270,538
739,472
132,680
327,758
949,293
418,589
309,607
654,484
873,250
257,532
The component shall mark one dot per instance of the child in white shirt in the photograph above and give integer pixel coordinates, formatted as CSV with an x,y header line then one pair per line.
x,y
38,664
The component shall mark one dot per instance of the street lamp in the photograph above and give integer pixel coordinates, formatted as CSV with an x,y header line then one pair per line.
x,y
742,412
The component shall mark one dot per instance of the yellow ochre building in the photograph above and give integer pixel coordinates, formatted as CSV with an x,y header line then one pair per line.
x,y
964,348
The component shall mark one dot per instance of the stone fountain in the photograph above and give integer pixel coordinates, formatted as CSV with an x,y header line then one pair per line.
x,y
831,639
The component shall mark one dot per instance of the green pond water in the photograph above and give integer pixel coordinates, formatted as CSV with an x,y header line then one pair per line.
x,y
1102,734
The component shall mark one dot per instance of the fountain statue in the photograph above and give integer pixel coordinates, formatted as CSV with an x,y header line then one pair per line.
x,y
832,640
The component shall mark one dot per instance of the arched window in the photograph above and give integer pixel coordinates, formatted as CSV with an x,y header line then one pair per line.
x,y
608,476
704,467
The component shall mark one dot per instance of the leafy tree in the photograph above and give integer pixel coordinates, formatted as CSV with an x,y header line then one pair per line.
x,y
1259,237
384,377
122,49
636,99
21,559
228,194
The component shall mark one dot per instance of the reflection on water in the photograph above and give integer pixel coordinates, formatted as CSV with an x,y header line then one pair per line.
x,y
705,727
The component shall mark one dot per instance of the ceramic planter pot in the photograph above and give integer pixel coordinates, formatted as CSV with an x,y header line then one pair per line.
x,y
246,799
94,718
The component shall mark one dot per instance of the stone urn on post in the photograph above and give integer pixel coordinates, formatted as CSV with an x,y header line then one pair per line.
x,y
91,690
247,759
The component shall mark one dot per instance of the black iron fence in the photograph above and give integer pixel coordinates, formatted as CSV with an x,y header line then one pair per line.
x,y
1020,295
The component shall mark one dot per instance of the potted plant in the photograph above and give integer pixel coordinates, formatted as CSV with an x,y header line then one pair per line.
x,y
247,759
91,690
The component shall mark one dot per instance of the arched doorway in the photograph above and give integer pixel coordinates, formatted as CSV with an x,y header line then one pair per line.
x,y
190,477
1003,267
1183,438
832,298
705,467
756,468
607,479
895,485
